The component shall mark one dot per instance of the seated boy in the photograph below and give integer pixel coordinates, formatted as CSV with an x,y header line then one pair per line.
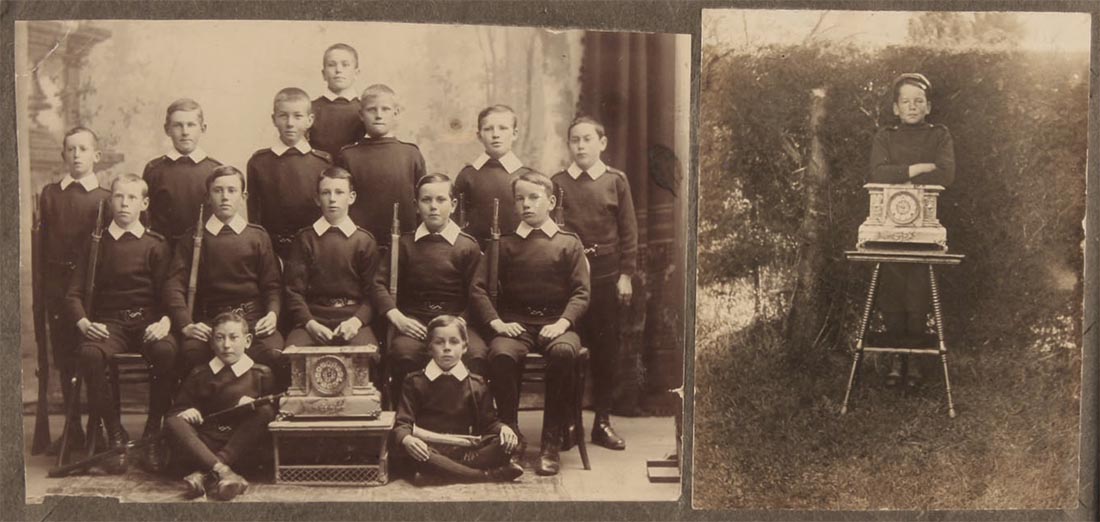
x,y
913,152
126,314
330,270
544,290
437,269
209,449
600,211
282,178
238,271
336,112
177,179
383,164
490,175
445,419
68,210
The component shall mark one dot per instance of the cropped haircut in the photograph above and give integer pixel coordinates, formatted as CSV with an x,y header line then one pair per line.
x,y
340,47
230,317
497,109
380,89
537,178
223,171
292,94
131,178
77,130
589,120
335,172
443,321
435,177
915,79
184,104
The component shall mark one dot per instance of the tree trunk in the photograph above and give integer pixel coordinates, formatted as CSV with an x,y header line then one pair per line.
x,y
808,304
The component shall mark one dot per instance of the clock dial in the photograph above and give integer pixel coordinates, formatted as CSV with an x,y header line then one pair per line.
x,y
903,208
329,376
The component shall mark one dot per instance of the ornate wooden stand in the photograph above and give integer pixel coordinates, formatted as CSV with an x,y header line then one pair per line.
x,y
931,259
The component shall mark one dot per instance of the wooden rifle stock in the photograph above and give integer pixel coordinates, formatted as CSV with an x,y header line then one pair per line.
x,y
462,210
395,245
196,256
38,307
93,261
560,211
494,253
61,471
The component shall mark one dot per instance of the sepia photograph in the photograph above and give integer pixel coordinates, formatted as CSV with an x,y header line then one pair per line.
x,y
889,301
305,261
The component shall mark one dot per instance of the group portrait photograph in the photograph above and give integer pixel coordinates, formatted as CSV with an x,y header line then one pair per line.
x,y
301,261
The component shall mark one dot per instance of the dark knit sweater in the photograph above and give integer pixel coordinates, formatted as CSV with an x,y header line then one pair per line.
x,y
432,273
335,124
130,273
67,219
176,189
385,171
445,405
601,212
479,188
282,190
330,266
897,147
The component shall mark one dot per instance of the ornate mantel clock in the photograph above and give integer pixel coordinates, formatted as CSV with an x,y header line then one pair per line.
x,y
330,382
902,215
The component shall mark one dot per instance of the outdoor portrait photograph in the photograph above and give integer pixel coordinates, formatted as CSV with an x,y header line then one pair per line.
x,y
889,305
312,261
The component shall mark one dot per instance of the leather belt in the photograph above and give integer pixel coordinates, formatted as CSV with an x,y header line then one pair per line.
x,y
126,314
283,239
542,311
242,309
338,302
68,265
597,250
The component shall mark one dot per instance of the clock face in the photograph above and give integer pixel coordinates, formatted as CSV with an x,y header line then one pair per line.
x,y
329,375
903,208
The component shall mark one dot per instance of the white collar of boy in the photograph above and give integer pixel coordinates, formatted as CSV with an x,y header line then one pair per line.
x,y
90,182
432,371
214,225
135,228
450,232
346,225
510,162
348,94
595,172
239,368
196,155
302,146
549,227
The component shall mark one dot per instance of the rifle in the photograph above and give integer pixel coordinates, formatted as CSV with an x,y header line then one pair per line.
x,y
494,252
196,255
93,260
395,258
38,307
62,471
560,211
462,210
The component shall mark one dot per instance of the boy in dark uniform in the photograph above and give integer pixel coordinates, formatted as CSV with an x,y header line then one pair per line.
x,y
597,207
544,291
238,271
438,267
68,210
917,152
282,179
383,166
330,270
127,313
177,179
228,379
336,112
446,420
490,175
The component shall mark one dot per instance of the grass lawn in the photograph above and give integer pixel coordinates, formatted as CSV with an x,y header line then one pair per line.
x,y
768,434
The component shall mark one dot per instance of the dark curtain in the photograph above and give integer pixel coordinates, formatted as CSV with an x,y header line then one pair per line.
x,y
628,83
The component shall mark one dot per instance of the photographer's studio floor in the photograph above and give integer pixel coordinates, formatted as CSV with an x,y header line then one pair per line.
x,y
615,475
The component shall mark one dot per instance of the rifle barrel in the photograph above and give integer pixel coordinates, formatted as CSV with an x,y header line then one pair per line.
x,y
196,257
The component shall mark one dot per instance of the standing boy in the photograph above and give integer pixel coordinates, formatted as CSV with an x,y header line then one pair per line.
x,y
920,153
490,175
437,269
283,178
336,111
238,271
127,313
330,270
383,166
544,291
601,211
177,179
68,210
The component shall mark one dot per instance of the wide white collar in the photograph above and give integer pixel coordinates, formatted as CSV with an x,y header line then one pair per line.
x,y
346,225
548,226
510,162
116,231
302,146
239,368
196,155
595,172
90,182
432,371
450,232
214,225
348,94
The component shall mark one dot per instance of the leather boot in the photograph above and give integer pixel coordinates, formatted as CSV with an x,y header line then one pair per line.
x,y
604,435
505,473
230,484
894,377
549,457
116,438
568,436
195,484
154,456
912,373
